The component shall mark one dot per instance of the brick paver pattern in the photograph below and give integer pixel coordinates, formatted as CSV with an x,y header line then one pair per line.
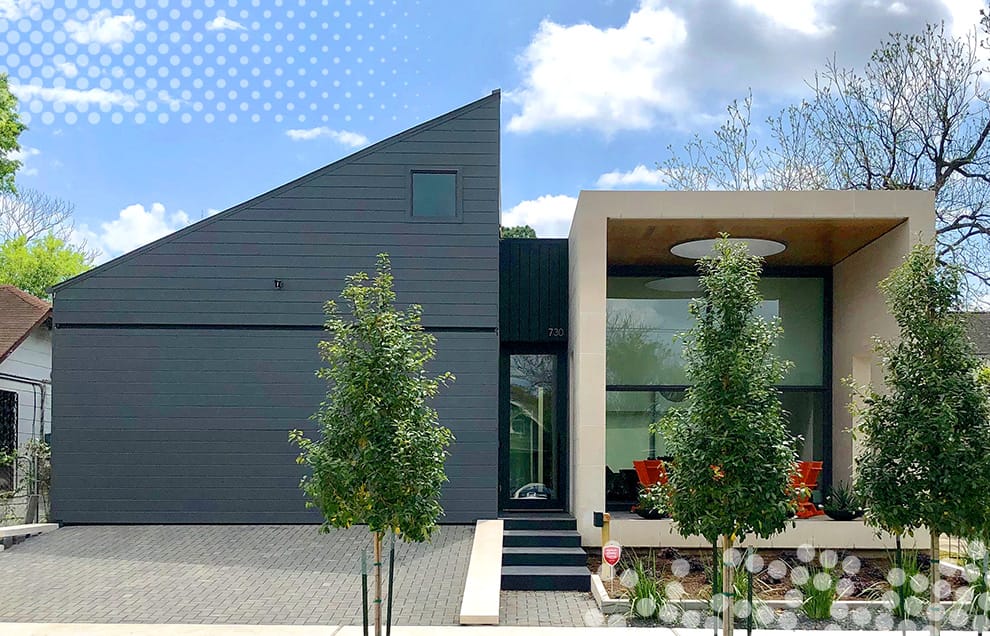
x,y
552,609
223,574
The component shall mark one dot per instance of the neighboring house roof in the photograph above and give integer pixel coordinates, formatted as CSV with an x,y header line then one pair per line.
x,y
20,312
978,323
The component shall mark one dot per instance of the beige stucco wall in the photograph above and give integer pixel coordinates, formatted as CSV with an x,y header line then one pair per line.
x,y
858,310
859,314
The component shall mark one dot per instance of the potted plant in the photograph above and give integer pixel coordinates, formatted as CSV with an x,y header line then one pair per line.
x,y
654,502
842,504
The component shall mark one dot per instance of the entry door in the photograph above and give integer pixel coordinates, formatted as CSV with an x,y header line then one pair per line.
x,y
532,431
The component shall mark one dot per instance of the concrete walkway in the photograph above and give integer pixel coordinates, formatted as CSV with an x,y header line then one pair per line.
x,y
280,575
37,629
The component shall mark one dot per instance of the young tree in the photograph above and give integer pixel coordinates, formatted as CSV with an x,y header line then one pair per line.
x,y
733,454
380,457
11,128
926,437
917,117
35,266
517,231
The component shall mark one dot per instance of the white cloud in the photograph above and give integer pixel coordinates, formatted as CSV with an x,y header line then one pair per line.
x,y
134,226
550,215
611,79
676,62
68,69
344,137
72,96
640,175
223,23
104,28
16,9
964,15
23,155
795,15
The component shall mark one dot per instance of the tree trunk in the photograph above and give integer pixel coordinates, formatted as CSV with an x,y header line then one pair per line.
x,y
728,585
934,575
378,584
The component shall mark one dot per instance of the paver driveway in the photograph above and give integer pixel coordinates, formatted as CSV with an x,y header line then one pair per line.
x,y
223,574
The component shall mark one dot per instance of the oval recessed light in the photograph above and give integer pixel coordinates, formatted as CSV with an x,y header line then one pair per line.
x,y
703,247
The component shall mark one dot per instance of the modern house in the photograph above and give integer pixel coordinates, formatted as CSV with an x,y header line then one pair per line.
x,y
182,365
25,382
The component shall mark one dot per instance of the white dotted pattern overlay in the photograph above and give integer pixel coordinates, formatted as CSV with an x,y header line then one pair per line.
x,y
145,61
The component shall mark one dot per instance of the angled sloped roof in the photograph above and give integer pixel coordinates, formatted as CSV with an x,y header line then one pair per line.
x,y
495,96
978,323
20,312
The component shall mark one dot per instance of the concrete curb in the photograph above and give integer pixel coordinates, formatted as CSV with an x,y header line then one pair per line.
x,y
125,629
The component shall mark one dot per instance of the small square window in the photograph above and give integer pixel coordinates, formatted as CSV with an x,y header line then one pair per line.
x,y
434,195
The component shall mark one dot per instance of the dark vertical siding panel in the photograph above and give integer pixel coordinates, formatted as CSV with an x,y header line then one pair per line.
x,y
534,290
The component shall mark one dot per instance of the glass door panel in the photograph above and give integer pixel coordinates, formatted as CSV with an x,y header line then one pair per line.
x,y
533,453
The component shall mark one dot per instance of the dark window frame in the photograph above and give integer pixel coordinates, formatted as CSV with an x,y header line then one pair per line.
x,y
458,196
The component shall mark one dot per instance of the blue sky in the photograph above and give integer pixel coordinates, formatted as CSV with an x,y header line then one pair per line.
x,y
150,114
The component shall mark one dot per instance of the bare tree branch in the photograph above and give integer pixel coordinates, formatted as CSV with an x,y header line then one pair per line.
x,y
915,117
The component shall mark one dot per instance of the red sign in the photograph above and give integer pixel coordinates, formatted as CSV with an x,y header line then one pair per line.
x,y
611,553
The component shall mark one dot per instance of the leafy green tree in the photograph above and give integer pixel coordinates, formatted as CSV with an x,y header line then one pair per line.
x,y
518,231
926,437
916,116
11,128
35,266
380,457
733,454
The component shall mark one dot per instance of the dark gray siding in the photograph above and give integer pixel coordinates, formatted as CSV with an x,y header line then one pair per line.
x,y
191,425
180,368
312,233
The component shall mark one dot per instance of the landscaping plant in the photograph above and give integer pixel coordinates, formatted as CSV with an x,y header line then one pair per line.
x,y
733,454
842,503
819,592
926,437
379,459
647,596
654,500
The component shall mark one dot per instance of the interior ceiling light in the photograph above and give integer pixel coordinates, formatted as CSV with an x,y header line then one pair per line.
x,y
674,284
703,247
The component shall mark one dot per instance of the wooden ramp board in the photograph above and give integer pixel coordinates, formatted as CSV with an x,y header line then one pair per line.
x,y
480,604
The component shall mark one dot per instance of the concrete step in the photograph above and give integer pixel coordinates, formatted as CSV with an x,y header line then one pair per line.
x,y
541,539
544,556
539,522
541,577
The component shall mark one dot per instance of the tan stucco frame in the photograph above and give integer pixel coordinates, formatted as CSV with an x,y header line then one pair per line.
x,y
859,313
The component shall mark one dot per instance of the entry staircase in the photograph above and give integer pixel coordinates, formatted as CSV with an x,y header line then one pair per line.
x,y
543,552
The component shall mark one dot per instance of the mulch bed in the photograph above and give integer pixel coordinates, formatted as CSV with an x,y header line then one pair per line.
x,y
869,583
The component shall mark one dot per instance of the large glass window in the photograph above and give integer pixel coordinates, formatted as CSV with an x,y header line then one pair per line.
x,y
646,313
645,367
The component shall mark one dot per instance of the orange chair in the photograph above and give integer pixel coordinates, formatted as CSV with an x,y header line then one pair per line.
x,y
650,471
806,476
